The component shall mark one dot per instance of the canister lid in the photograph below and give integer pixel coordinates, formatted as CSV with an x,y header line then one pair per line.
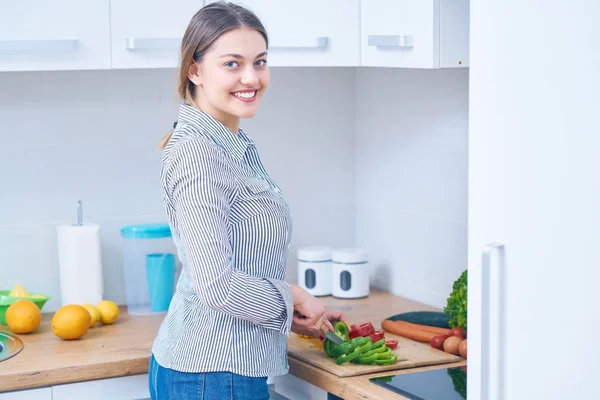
x,y
350,255
314,253
146,231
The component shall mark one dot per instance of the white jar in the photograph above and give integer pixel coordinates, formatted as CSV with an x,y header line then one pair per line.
x,y
350,273
314,270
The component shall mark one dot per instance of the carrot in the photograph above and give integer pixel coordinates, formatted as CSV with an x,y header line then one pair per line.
x,y
433,329
407,331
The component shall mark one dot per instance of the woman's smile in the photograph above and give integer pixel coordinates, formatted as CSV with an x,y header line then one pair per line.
x,y
246,96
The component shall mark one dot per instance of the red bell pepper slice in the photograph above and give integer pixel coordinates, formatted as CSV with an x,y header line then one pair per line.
x,y
363,330
377,335
391,344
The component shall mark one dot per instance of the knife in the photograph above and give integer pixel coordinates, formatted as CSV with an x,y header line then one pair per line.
x,y
330,335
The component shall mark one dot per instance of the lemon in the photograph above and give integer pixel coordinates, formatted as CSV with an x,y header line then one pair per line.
x,y
94,314
18,291
23,316
71,322
109,311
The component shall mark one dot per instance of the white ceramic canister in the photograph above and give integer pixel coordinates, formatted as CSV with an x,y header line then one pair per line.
x,y
350,278
314,270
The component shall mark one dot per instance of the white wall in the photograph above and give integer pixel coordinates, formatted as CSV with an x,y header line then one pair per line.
x,y
399,136
411,171
92,136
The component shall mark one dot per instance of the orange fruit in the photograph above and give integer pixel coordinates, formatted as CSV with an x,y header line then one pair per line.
x,y
71,322
23,316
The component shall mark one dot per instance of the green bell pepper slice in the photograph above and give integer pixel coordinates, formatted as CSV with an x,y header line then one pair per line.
x,y
387,361
341,329
344,358
328,346
367,359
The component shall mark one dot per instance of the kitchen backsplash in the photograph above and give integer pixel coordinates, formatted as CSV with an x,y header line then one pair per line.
x,y
92,136
325,134
411,178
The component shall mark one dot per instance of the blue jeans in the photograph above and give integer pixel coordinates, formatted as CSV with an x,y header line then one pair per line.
x,y
168,384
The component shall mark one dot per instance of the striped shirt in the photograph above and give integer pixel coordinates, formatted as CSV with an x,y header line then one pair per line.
x,y
232,310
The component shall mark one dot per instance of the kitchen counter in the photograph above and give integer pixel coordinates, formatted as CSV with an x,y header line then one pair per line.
x,y
109,351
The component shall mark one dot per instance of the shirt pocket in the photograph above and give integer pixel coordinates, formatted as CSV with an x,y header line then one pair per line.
x,y
257,200
256,186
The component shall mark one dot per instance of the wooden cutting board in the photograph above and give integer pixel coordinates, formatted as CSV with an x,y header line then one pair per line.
x,y
410,354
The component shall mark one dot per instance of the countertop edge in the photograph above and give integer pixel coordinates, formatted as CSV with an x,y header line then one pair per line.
x,y
354,387
74,374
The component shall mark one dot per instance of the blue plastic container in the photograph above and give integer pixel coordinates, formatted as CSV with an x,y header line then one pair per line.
x,y
150,267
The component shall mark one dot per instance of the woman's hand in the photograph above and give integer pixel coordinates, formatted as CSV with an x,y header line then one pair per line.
x,y
309,312
331,316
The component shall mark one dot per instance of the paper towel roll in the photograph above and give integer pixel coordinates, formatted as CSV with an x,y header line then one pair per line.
x,y
80,264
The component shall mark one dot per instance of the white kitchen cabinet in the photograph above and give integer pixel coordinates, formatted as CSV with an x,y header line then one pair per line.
x,y
30,394
54,35
310,32
132,387
147,34
414,33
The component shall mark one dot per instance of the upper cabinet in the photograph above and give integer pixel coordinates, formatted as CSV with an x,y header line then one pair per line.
x,y
414,33
308,33
147,34
54,35
104,34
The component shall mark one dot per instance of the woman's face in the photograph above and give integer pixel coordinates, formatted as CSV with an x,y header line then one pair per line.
x,y
232,76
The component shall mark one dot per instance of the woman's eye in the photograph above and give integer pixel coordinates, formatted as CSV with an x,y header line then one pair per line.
x,y
231,64
261,63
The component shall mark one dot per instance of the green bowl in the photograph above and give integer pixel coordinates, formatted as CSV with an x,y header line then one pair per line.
x,y
6,300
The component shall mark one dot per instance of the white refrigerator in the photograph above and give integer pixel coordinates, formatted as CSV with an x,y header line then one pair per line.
x,y
534,200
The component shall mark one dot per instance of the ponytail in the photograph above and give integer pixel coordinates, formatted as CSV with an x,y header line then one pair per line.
x,y
165,139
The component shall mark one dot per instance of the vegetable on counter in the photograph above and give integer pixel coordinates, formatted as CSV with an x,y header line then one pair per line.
x,y
359,346
449,340
456,305
432,329
462,349
451,344
429,318
409,331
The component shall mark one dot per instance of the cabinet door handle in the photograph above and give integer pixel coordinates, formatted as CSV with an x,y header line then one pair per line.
x,y
152,44
37,46
391,41
486,308
318,43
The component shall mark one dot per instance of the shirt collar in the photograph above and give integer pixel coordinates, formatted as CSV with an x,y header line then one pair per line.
x,y
234,144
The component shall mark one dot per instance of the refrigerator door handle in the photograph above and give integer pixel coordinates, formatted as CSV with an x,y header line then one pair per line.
x,y
488,307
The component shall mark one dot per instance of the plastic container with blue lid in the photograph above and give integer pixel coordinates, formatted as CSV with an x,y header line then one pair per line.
x,y
150,267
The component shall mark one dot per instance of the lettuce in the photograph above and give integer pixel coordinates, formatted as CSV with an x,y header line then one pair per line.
x,y
456,305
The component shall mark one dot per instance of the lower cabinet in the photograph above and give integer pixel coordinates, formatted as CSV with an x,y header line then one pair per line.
x,y
133,387
30,394
293,388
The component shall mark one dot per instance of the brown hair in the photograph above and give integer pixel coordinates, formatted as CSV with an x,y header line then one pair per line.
x,y
205,27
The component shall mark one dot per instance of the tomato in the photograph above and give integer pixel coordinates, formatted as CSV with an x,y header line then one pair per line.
x,y
437,342
460,332
391,344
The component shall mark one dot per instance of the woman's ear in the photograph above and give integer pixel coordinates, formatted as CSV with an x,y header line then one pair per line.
x,y
194,74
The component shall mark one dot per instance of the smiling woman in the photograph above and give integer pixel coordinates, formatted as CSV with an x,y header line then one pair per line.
x,y
223,55
231,224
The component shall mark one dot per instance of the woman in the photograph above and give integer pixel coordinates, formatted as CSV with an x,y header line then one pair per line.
x,y
226,330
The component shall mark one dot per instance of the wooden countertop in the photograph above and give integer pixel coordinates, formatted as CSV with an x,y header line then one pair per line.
x,y
124,349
